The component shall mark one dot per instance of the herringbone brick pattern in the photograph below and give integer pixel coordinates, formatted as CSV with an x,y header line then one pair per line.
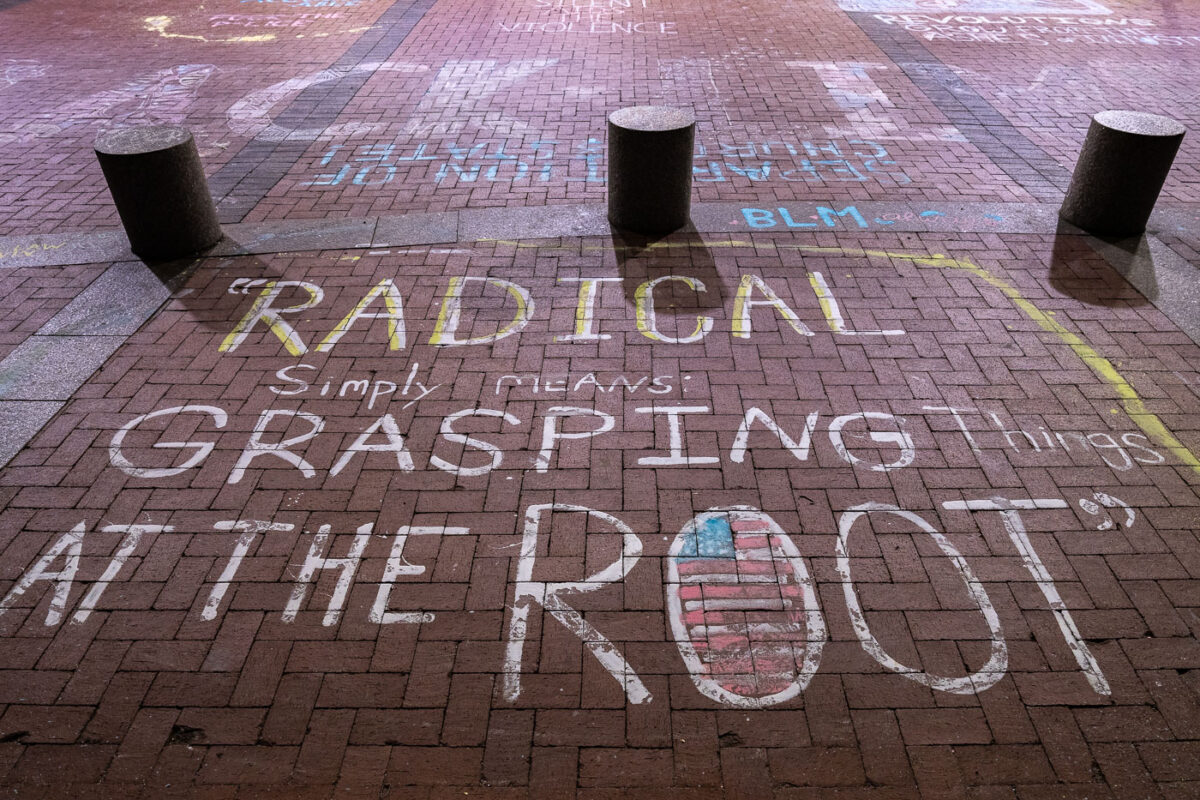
x,y
474,484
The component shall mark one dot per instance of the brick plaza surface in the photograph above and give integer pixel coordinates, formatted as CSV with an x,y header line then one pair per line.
x,y
832,511
355,107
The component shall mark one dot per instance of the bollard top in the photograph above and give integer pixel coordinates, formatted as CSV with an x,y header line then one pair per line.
x,y
1139,123
141,139
652,118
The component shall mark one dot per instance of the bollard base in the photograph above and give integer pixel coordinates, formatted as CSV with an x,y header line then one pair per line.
x,y
1121,170
650,168
157,183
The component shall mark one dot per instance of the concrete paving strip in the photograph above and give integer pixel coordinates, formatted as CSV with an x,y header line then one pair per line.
x,y
291,236
63,249
1182,222
1162,276
417,229
549,222
116,304
44,371
20,420
534,223
53,367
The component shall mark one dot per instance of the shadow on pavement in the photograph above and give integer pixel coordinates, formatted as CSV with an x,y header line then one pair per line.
x,y
679,260
1076,256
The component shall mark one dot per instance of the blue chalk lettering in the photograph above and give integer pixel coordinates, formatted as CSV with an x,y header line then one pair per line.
x,y
714,169
759,217
791,223
828,216
329,178
761,173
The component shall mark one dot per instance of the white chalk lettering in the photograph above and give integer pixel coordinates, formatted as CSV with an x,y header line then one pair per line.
x,y
445,330
957,413
737,453
743,608
118,460
983,678
133,534
70,544
1010,513
250,529
315,561
548,595
264,310
256,447
552,434
899,438
584,312
394,444
647,322
393,313
675,432
447,432
397,566
833,312
743,303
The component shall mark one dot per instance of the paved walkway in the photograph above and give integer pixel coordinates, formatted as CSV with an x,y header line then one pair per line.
x,y
875,481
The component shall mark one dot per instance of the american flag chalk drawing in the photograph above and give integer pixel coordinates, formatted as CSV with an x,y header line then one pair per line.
x,y
743,609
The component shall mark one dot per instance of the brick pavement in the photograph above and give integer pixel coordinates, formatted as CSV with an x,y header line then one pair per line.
x,y
399,596
359,108
834,499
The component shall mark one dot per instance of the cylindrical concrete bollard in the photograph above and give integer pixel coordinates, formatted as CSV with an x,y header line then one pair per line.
x,y
1122,166
158,185
650,168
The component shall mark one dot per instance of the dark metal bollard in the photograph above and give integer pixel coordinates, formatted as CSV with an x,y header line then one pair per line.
x,y
158,185
650,168
1122,166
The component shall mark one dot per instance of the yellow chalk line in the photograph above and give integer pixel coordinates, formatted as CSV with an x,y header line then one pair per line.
x,y
159,25
1133,405
1128,397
